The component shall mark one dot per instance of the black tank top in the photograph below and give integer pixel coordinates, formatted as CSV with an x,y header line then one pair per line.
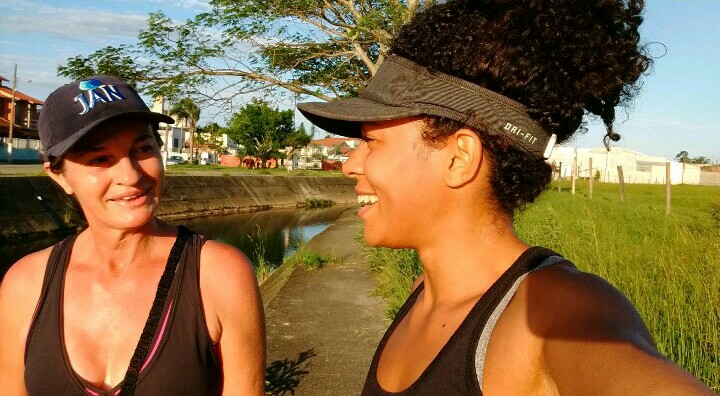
x,y
453,371
181,361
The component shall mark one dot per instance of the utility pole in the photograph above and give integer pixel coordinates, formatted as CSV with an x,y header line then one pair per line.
x,y
12,116
168,136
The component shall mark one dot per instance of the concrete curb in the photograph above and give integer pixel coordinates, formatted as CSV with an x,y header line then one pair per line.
x,y
270,287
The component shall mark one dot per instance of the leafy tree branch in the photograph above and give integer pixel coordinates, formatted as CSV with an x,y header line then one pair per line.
x,y
318,48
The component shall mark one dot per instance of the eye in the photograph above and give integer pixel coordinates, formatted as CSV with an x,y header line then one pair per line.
x,y
99,160
144,150
371,141
148,148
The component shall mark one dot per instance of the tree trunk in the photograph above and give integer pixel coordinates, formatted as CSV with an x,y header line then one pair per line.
x,y
192,144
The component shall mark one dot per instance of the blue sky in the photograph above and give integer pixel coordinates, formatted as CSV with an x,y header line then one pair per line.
x,y
678,108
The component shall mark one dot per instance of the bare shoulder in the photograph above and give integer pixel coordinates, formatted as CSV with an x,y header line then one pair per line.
x,y
591,332
222,264
227,279
19,295
567,301
233,313
23,281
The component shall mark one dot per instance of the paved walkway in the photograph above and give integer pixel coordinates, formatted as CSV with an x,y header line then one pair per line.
x,y
331,311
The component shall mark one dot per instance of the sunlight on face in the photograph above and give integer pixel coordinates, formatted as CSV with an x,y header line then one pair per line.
x,y
116,174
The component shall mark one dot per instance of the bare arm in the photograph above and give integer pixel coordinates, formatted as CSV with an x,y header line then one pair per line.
x,y
232,299
596,343
19,294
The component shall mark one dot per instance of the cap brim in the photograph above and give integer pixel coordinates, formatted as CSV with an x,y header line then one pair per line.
x,y
344,116
62,148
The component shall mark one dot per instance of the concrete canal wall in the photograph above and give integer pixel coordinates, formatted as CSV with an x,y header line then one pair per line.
x,y
35,206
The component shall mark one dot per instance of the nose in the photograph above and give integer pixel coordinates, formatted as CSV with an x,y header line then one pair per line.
x,y
127,171
355,165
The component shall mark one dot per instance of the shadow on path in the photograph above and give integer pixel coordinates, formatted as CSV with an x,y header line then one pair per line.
x,y
284,376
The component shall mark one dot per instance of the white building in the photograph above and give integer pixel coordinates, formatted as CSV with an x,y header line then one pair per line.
x,y
637,167
173,136
176,137
327,149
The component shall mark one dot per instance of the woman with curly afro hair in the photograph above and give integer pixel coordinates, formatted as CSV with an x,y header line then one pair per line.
x,y
456,125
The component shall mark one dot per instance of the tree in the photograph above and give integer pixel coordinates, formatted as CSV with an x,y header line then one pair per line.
x,y
683,157
297,140
700,160
262,130
320,48
186,109
211,137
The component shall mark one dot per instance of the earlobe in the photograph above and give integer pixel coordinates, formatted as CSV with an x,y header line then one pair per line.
x,y
465,151
58,178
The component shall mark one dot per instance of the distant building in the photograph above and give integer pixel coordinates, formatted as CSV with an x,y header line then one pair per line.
x,y
176,137
637,167
319,150
26,141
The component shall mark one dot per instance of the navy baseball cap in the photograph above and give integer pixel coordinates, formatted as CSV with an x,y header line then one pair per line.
x,y
74,109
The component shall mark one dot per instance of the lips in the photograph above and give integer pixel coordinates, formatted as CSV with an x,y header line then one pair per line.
x,y
130,197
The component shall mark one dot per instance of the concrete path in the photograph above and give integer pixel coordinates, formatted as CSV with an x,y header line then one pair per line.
x,y
331,311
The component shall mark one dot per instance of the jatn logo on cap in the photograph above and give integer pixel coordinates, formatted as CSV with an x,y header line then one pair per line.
x,y
97,92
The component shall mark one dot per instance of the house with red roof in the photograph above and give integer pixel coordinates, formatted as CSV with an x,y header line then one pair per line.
x,y
320,152
27,111
26,141
334,147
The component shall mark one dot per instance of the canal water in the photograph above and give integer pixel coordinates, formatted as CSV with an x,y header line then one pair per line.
x,y
273,233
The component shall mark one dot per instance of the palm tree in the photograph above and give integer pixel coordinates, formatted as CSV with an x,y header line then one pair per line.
x,y
186,109
683,157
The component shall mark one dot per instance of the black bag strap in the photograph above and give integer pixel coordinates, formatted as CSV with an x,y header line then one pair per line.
x,y
166,280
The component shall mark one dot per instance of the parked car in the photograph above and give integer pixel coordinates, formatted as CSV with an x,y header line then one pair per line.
x,y
175,160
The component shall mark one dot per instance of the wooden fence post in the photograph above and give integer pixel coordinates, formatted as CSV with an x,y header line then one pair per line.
x,y
559,175
574,174
621,180
592,178
667,188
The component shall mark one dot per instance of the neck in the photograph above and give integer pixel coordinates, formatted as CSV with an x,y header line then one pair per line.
x,y
119,250
466,255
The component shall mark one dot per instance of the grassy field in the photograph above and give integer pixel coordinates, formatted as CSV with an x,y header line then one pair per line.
x,y
669,267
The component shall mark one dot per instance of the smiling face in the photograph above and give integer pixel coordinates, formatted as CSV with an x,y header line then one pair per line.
x,y
116,174
400,174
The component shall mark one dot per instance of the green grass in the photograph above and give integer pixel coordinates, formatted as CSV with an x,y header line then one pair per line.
x,y
263,268
235,171
669,267
308,259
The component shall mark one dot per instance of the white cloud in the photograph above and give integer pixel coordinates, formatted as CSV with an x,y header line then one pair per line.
x,y
85,25
194,5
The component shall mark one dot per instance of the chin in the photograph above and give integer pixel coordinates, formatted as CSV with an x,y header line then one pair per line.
x,y
133,220
380,241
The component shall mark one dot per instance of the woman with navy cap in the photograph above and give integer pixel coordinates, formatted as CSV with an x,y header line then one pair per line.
x,y
130,304
456,125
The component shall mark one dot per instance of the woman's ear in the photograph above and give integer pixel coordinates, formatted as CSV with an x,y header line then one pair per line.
x,y
465,155
59,178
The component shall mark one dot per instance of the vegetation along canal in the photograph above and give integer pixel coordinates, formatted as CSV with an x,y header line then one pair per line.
x,y
271,235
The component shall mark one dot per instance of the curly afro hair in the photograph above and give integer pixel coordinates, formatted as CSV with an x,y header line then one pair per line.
x,y
562,59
